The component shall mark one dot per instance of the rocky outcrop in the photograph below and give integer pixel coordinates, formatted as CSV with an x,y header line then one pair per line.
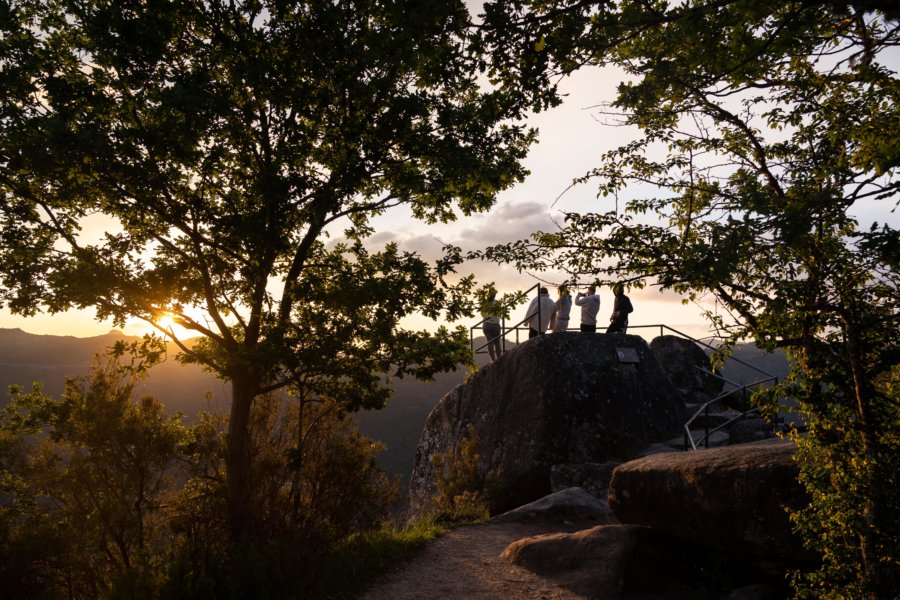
x,y
685,363
556,399
731,498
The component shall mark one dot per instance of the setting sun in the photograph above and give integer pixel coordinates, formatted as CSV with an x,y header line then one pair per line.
x,y
165,322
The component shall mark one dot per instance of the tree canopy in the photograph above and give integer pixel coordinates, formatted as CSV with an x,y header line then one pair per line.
x,y
769,136
224,143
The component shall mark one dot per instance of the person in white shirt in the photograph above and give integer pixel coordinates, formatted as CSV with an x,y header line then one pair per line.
x,y
590,306
560,318
538,319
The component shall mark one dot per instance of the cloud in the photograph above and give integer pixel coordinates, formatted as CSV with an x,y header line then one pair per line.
x,y
381,238
508,222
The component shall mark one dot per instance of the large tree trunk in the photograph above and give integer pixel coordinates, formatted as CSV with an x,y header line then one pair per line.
x,y
237,460
869,445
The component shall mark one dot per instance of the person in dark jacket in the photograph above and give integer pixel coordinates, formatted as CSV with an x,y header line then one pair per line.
x,y
621,309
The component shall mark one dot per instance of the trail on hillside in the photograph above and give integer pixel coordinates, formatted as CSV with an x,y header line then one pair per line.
x,y
466,564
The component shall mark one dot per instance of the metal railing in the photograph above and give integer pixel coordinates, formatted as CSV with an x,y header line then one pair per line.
x,y
689,442
739,389
504,330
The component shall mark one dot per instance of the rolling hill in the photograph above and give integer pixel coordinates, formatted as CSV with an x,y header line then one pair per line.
x,y
27,358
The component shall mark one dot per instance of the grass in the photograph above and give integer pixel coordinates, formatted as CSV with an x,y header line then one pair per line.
x,y
357,562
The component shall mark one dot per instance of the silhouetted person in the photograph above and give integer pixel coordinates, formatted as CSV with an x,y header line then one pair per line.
x,y
491,326
590,306
559,321
537,326
621,309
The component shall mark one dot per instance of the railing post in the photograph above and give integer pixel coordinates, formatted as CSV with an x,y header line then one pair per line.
x,y
706,414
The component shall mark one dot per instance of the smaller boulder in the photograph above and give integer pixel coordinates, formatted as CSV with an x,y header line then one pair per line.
x,y
569,505
750,430
594,563
591,477
659,448
756,591
687,366
627,561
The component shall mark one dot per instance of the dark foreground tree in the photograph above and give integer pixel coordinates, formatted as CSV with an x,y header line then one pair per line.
x,y
219,144
771,143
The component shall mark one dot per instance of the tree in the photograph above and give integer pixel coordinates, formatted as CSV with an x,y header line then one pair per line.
x,y
224,142
768,132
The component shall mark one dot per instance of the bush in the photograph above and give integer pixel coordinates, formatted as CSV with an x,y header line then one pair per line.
x,y
106,496
461,495
855,496
86,482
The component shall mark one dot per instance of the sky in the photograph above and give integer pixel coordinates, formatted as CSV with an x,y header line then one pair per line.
x,y
571,139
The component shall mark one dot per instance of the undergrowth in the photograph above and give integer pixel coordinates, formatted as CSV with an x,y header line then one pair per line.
x,y
352,566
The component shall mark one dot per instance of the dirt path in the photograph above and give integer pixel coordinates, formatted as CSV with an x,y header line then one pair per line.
x,y
466,564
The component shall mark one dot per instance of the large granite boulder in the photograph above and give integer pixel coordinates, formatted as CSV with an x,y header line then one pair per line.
x,y
731,498
685,363
560,398
632,561
601,562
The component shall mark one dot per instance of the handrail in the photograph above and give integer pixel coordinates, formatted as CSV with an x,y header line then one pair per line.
x,y
503,328
709,346
704,408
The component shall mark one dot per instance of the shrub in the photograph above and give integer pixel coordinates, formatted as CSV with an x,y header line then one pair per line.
x,y
86,482
461,488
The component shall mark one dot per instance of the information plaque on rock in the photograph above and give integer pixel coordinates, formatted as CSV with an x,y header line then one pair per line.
x,y
627,355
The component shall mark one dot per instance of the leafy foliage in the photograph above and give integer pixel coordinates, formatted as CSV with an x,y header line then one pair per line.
x,y
223,144
768,133
103,495
462,491
90,479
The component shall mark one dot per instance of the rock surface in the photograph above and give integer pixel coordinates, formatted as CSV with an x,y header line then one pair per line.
x,y
750,430
731,498
591,477
597,563
683,360
622,562
572,504
560,398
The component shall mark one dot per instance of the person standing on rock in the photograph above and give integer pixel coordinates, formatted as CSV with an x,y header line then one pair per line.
x,y
490,310
590,306
538,316
559,320
621,309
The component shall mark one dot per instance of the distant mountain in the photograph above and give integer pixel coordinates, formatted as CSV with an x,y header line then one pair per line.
x,y
750,364
26,358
